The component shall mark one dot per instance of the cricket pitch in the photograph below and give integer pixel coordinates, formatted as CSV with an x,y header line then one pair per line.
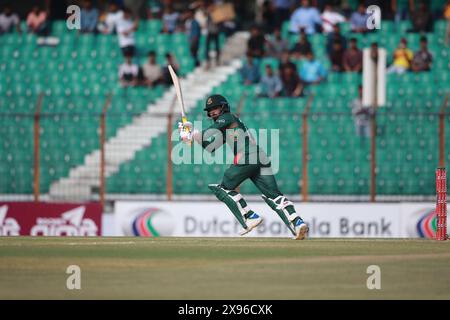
x,y
223,268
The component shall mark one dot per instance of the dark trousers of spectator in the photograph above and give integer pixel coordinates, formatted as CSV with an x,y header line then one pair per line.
x,y
281,15
44,29
215,38
228,29
137,7
428,27
193,47
363,131
128,51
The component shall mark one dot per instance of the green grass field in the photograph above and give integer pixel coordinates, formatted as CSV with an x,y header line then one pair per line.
x,y
223,268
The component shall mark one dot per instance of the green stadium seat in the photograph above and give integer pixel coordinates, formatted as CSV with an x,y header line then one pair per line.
x,y
78,73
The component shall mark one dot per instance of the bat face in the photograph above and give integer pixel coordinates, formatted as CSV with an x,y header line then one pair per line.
x,y
176,83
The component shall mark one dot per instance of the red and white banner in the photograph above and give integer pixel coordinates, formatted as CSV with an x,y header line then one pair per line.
x,y
50,219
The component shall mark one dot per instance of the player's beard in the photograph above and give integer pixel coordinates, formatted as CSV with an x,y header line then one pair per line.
x,y
216,116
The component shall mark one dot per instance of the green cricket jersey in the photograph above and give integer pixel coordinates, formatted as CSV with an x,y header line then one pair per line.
x,y
236,135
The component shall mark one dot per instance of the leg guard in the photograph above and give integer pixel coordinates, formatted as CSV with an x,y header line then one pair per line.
x,y
284,208
233,200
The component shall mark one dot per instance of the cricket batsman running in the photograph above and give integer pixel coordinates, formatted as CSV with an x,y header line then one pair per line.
x,y
250,162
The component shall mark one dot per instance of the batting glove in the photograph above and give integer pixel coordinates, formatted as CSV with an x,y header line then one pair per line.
x,y
186,136
187,126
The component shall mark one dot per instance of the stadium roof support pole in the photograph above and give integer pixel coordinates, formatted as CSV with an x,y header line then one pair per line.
x,y
37,116
373,149
305,131
169,180
374,95
442,132
102,149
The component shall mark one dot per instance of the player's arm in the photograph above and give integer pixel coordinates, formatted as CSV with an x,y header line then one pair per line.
x,y
213,142
213,137
210,139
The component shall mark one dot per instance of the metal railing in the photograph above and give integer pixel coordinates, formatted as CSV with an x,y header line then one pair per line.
x,y
312,136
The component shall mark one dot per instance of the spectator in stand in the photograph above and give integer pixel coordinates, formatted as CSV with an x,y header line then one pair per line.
x,y
337,57
170,60
422,58
302,47
447,17
138,7
400,8
421,18
194,33
128,72
402,58
268,17
282,11
126,27
37,21
9,19
169,20
250,71
154,9
212,35
346,9
275,44
270,85
306,17
256,42
330,18
292,85
89,17
336,36
312,71
358,20
201,13
285,61
353,57
108,21
361,116
151,71
228,27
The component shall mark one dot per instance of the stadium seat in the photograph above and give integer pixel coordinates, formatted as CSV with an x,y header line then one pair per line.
x,y
76,76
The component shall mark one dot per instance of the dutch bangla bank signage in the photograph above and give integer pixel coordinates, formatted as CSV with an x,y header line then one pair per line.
x,y
50,219
213,219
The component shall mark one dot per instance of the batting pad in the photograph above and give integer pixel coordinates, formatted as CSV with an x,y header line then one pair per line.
x,y
279,205
233,200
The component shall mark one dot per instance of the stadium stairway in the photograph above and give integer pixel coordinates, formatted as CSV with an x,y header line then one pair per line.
x,y
83,179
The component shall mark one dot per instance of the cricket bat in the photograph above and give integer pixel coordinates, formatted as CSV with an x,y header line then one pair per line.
x,y
176,84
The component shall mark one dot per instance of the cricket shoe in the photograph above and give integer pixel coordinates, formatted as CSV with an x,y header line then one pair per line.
x,y
252,222
301,230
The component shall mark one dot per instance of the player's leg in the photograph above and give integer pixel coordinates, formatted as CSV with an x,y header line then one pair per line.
x,y
207,46
225,192
194,52
266,183
217,45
